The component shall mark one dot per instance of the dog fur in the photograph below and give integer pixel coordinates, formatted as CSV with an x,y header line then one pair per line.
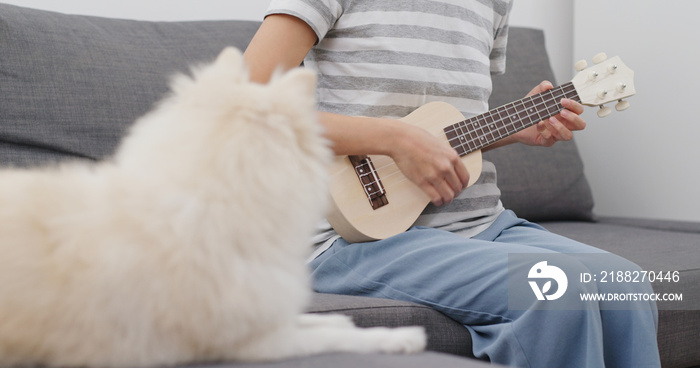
x,y
187,246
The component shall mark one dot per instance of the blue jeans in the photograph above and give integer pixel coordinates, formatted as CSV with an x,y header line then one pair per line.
x,y
467,280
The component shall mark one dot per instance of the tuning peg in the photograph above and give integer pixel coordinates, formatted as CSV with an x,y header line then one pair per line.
x,y
622,105
580,65
621,87
604,111
599,58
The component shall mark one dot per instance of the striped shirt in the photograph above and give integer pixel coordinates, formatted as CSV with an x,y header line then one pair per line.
x,y
385,58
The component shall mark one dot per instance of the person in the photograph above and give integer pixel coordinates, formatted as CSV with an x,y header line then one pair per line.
x,y
378,60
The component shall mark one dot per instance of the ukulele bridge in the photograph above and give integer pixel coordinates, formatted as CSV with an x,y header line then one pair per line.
x,y
370,180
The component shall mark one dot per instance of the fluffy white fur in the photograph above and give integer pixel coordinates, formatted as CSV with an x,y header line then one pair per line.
x,y
187,246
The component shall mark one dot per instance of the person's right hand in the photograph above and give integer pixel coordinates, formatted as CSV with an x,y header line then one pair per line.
x,y
429,163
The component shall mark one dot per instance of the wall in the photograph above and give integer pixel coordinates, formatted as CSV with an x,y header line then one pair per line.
x,y
555,17
644,162
641,162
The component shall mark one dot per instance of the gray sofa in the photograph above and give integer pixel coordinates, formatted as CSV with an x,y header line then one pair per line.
x,y
71,85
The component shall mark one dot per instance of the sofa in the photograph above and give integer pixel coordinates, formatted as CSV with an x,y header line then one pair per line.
x,y
71,85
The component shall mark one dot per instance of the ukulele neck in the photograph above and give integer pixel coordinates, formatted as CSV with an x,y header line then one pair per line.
x,y
483,130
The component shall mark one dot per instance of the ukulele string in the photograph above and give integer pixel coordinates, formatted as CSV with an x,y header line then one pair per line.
x,y
475,125
540,107
536,113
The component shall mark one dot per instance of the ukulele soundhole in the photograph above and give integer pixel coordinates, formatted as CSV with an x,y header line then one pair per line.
x,y
370,180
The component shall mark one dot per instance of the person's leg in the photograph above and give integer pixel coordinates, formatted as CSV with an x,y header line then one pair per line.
x,y
466,279
628,328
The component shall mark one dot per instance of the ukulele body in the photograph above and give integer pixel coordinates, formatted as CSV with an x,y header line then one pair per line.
x,y
352,214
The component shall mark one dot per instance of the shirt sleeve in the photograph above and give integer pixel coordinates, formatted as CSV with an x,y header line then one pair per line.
x,y
320,15
498,52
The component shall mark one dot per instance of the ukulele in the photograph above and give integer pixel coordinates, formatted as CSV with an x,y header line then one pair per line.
x,y
371,199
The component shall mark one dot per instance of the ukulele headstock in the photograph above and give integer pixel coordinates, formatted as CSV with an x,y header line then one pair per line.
x,y
607,81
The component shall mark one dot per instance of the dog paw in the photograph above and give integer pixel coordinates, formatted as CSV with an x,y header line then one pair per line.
x,y
404,340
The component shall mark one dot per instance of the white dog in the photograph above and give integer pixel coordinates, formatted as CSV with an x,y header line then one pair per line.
x,y
187,246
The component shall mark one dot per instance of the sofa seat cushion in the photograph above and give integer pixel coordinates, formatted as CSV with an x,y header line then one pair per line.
x,y
656,246
422,360
653,249
444,334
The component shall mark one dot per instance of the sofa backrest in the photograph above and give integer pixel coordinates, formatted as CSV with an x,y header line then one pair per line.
x,y
71,85
538,183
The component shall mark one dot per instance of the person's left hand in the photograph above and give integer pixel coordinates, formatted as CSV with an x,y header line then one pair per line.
x,y
557,128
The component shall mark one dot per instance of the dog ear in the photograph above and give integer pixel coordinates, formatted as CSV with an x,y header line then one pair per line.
x,y
230,56
231,59
298,81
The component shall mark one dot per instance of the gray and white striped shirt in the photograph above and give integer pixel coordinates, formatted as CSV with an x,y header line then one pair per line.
x,y
385,58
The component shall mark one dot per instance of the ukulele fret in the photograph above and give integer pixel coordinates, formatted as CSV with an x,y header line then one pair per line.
x,y
482,130
372,185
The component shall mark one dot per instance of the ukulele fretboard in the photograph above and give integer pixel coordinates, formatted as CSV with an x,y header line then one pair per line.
x,y
483,130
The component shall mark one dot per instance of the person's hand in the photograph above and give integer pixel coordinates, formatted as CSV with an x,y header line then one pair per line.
x,y
557,128
430,163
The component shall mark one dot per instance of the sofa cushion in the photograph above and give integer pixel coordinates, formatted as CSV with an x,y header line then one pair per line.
x,y
559,189
71,85
656,246
444,334
422,360
653,249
